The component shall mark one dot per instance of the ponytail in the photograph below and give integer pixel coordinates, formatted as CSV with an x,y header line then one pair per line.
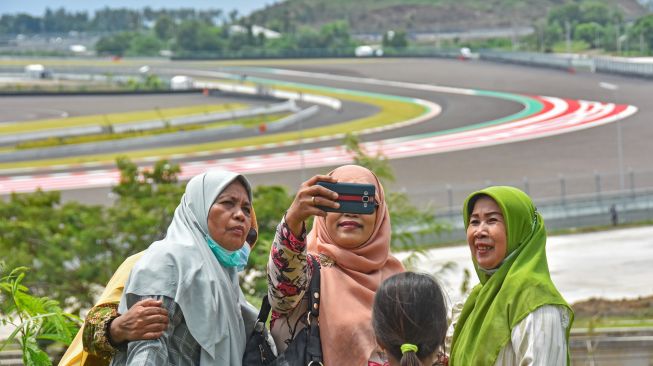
x,y
409,355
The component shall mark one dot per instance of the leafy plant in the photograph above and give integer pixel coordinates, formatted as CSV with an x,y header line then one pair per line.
x,y
37,320
409,222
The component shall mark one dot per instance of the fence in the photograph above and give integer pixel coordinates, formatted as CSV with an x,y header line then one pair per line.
x,y
559,61
564,201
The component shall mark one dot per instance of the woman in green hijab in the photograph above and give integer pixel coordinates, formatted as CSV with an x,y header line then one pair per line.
x,y
515,316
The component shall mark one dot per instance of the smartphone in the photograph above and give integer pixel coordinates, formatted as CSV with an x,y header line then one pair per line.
x,y
352,197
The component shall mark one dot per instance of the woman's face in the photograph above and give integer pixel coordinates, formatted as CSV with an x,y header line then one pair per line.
x,y
486,233
350,230
230,218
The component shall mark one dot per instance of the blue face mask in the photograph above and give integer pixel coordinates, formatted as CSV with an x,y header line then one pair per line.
x,y
228,258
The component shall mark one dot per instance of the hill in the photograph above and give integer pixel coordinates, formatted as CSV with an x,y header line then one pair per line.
x,y
418,15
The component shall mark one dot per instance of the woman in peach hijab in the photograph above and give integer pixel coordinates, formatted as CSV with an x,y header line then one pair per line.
x,y
353,251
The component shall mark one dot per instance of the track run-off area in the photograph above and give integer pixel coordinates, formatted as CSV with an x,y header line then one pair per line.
x,y
538,117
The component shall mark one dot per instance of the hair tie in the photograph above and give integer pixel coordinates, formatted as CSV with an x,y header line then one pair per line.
x,y
407,347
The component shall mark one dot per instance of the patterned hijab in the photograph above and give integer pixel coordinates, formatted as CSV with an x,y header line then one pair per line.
x,y
521,284
182,267
348,286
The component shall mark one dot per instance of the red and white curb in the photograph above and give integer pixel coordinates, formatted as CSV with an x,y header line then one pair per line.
x,y
558,116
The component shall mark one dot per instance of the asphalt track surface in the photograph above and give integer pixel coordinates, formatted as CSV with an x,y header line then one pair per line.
x,y
581,153
325,117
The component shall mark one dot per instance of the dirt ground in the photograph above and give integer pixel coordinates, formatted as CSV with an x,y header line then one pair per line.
x,y
639,307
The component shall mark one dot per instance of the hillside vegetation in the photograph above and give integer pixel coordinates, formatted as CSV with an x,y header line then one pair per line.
x,y
418,15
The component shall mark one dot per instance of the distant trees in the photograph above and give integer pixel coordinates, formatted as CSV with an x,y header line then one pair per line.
x,y
117,44
643,31
216,33
104,20
595,23
73,248
395,39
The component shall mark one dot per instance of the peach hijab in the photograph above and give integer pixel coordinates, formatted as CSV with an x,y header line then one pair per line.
x,y
348,286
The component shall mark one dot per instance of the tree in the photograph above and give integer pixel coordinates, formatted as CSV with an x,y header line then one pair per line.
x,y
117,44
187,35
164,27
409,223
591,33
394,39
117,20
569,13
644,28
209,39
75,248
270,202
145,206
25,23
335,35
36,319
61,242
595,12
144,45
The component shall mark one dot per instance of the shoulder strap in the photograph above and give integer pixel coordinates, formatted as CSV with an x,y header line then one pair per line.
x,y
314,290
265,310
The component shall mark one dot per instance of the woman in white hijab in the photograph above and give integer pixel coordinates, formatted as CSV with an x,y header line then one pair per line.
x,y
194,272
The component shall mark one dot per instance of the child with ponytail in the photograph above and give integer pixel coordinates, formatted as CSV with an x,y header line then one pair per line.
x,y
410,320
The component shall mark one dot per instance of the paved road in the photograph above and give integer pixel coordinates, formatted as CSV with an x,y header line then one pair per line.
x,y
612,264
575,154
572,155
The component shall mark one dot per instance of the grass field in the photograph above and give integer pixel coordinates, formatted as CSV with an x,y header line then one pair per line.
x,y
116,118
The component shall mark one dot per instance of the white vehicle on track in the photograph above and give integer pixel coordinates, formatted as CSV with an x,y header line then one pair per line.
x,y
181,82
368,51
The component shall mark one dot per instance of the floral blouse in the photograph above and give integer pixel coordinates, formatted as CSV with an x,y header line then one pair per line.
x,y
289,275
94,336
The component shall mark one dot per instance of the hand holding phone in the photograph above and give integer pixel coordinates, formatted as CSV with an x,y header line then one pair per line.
x,y
353,197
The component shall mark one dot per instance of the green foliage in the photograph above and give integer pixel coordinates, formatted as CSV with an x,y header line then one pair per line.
x,y
58,240
165,27
599,13
116,44
146,82
644,28
590,33
144,44
187,35
75,248
409,223
270,202
38,321
394,39
146,200
568,13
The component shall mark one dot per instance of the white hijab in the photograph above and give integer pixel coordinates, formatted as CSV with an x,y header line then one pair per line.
x,y
182,267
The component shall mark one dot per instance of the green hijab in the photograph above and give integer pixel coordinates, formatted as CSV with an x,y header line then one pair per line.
x,y
520,285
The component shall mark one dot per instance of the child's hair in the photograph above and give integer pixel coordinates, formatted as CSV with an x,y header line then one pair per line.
x,y
410,311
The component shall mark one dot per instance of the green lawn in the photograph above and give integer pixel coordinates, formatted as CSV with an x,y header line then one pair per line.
x,y
116,118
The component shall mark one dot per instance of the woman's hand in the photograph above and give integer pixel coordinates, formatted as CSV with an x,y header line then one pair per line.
x,y
145,320
308,197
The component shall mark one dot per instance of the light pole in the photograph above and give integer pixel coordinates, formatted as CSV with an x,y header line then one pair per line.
x,y
620,149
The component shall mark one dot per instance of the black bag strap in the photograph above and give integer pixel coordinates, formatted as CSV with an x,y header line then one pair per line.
x,y
265,310
313,342
314,292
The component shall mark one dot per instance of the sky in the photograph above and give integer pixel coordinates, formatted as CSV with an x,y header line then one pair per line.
x,y
37,7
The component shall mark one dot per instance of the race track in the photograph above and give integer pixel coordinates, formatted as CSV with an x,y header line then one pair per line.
x,y
581,153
